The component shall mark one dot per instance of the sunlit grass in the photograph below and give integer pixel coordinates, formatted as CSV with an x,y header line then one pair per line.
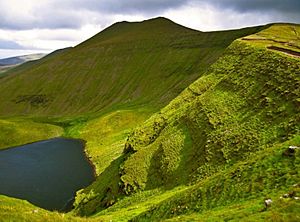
x,y
15,132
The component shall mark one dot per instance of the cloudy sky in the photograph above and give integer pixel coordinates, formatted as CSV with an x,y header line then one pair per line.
x,y
30,26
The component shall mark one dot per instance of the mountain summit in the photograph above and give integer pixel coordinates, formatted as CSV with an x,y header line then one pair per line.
x,y
152,28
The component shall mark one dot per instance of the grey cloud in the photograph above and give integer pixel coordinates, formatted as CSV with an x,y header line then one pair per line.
x,y
6,44
72,14
51,19
40,24
289,6
274,10
124,7
156,6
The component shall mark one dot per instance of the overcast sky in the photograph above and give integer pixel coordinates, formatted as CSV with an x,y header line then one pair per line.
x,y
29,26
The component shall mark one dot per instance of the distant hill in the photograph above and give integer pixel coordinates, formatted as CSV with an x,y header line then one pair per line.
x,y
11,62
20,59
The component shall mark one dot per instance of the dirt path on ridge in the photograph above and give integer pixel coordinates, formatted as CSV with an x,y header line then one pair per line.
x,y
284,50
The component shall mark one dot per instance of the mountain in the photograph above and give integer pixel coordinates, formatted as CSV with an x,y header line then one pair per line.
x,y
180,125
126,65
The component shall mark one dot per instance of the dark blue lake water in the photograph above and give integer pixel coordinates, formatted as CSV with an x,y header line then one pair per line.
x,y
46,173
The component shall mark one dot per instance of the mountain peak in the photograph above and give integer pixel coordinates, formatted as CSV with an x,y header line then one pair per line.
x,y
123,31
155,23
158,19
151,20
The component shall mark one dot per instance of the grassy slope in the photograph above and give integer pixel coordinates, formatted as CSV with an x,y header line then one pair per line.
x,y
236,193
16,132
15,210
106,135
126,65
243,109
4,69
266,174
247,101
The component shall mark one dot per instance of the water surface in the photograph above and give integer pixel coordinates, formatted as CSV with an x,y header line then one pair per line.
x,y
46,173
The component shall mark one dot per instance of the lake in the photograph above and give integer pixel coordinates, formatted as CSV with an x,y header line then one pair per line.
x,y
46,173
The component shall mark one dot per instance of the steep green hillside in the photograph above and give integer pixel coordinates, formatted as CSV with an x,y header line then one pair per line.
x,y
226,137
248,100
128,64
